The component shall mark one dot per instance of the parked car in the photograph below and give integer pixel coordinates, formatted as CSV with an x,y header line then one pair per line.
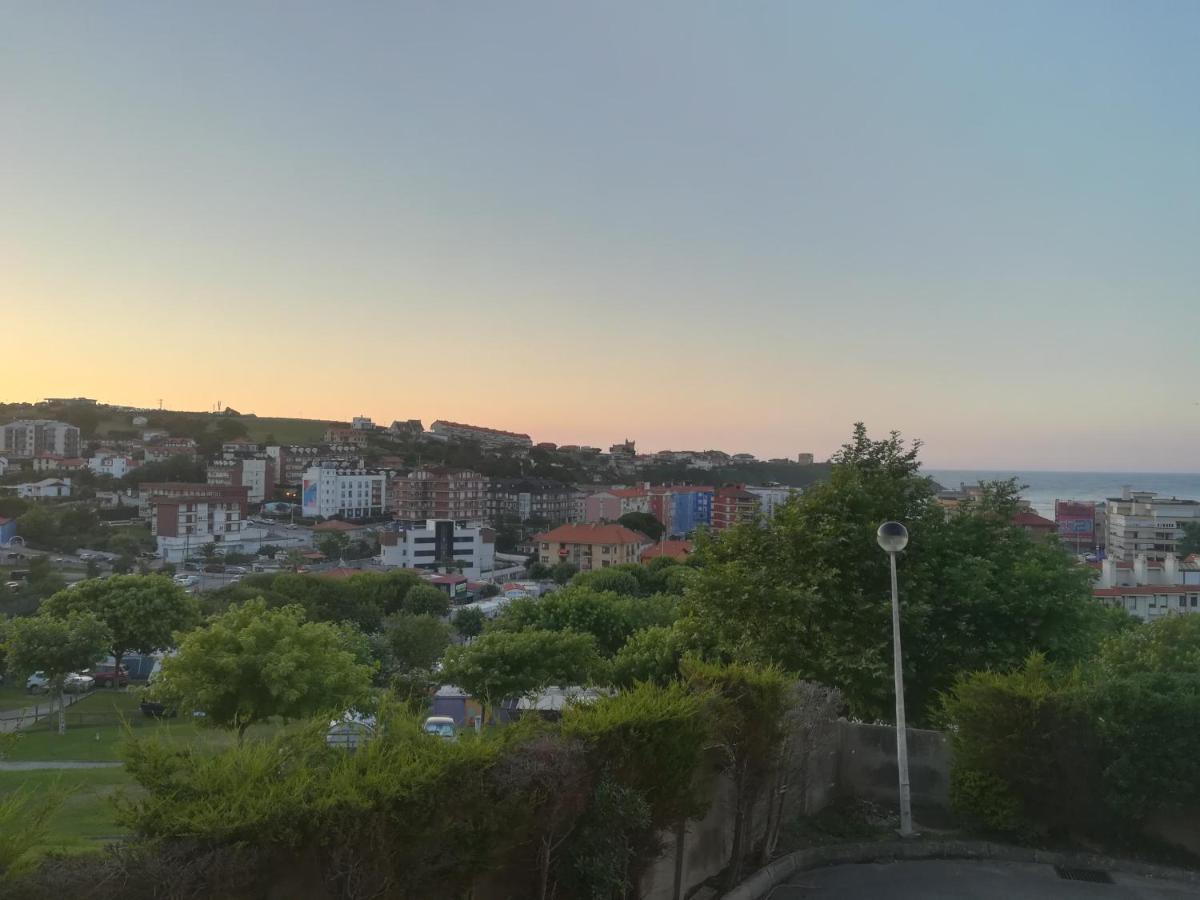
x,y
75,683
441,726
13,585
106,675
186,580
153,709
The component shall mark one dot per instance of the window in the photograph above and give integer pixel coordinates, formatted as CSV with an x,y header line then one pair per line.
x,y
1182,601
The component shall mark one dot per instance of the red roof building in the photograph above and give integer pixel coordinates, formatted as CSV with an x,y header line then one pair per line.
x,y
589,547
676,550
1031,523
733,506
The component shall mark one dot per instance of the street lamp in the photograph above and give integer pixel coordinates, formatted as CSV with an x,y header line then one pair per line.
x,y
893,537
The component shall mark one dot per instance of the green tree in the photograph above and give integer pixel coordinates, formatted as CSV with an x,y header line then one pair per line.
x,y
501,664
296,670
416,642
652,654
610,618
334,544
142,613
208,551
644,522
55,647
386,591
540,571
810,590
563,572
618,581
469,621
1190,542
426,599
1169,644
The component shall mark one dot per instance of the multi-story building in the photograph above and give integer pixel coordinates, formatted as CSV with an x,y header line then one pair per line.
x,y
488,437
343,437
255,473
26,438
362,423
328,490
530,498
1076,522
406,428
113,466
169,447
1143,522
182,524
439,492
591,546
601,506
148,491
682,508
292,461
440,543
804,459
771,497
733,506
1149,590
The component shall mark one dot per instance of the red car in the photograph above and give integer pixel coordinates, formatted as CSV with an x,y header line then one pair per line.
x,y
107,676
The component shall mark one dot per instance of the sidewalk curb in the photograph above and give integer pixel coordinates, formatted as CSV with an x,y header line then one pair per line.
x,y
776,872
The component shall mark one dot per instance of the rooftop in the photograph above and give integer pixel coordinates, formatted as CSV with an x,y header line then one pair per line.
x,y
592,534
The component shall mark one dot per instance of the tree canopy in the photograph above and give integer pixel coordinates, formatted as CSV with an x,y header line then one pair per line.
x,y
142,612
502,664
253,662
810,590
644,522
55,647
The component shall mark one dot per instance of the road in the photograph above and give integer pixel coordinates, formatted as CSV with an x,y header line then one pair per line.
x,y
968,880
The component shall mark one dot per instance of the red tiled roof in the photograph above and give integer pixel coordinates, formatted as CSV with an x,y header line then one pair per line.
x,y
628,492
1141,589
592,534
1027,519
679,550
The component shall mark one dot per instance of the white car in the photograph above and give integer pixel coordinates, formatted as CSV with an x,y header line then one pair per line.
x,y
186,580
441,726
74,683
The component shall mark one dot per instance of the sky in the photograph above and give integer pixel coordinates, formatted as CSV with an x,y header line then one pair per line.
x,y
732,225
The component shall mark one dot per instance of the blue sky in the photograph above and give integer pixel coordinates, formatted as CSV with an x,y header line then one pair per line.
x,y
732,225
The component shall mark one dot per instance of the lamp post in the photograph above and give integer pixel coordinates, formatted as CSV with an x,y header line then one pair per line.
x,y
893,537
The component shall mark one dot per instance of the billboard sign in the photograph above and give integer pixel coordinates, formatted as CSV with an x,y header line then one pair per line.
x,y
1076,521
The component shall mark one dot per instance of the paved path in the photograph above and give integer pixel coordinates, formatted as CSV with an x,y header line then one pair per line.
x,y
32,765
968,880
16,719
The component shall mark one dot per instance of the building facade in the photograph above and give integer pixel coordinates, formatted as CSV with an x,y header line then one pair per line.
x,y
488,437
733,506
170,447
590,547
439,492
1141,522
256,474
356,493
341,437
46,489
1150,590
181,525
523,499
26,438
148,491
112,466
439,543
771,497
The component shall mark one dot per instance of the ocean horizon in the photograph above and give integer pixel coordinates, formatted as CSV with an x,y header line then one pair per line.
x,y
1042,488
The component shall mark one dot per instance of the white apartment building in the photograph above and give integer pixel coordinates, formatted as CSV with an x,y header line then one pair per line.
x,y
771,497
26,438
350,493
1141,522
114,466
1150,590
440,541
183,524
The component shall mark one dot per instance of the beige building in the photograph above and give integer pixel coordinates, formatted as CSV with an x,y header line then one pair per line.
x,y
1140,522
591,546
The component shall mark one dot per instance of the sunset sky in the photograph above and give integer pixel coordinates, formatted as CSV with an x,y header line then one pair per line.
x,y
733,225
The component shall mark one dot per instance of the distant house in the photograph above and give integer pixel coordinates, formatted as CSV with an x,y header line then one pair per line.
x,y
113,466
676,550
1031,523
46,489
591,546
53,462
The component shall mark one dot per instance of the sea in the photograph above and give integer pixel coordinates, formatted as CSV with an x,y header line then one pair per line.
x,y
1041,489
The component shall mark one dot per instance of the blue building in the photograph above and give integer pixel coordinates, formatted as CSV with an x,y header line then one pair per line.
x,y
691,507
8,529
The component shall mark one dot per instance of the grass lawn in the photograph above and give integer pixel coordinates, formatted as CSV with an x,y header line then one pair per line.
x,y
98,724
13,696
85,821
287,431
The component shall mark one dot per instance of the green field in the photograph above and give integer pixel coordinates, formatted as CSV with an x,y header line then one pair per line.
x,y
98,724
287,431
13,696
86,820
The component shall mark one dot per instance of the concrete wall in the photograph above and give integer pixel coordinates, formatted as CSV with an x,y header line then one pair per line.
x,y
867,768
845,760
